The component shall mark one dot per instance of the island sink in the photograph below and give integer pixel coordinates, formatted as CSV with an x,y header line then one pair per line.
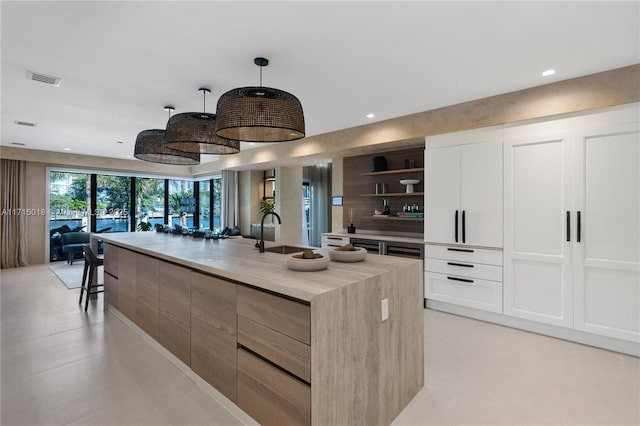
x,y
285,249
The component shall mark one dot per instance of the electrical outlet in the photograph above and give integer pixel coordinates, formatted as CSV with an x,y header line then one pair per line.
x,y
384,305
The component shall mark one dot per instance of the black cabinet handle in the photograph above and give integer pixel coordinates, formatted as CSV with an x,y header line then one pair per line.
x,y
568,226
462,250
578,230
464,231
334,238
464,280
456,226
459,264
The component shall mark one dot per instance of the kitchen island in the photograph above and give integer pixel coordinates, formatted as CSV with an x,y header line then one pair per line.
x,y
287,347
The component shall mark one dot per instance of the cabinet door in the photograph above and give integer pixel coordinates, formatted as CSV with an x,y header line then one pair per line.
x,y
111,290
213,332
269,395
481,194
111,259
174,310
147,270
127,283
537,256
441,194
607,261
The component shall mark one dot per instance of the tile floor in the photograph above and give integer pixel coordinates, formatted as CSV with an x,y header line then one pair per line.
x,y
62,366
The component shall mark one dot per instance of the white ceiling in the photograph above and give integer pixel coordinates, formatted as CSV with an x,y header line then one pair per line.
x,y
121,62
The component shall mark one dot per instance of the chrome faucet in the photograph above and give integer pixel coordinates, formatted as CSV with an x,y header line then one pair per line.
x,y
261,242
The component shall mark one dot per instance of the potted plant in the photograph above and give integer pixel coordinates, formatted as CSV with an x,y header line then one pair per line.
x,y
267,206
144,226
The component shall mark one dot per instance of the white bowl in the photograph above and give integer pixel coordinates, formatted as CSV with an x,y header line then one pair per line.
x,y
307,265
409,181
357,255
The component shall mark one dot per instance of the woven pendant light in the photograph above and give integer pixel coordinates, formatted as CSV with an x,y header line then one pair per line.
x,y
150,146
195,132
260,114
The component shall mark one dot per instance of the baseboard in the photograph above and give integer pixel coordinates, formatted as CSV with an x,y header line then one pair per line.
x,y
576,336
229,405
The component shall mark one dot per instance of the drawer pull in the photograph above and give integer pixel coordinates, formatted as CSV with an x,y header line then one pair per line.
x,y
459,264
333,245
462,250
464,280
334,238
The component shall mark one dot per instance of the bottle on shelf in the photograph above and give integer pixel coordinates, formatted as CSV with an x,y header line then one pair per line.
x,y
385,207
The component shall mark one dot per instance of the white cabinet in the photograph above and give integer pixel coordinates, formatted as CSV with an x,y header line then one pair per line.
x,y
331,240
607,254
537,196
463,188
572,222
464,276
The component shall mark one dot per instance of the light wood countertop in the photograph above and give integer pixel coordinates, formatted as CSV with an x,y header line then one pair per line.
x,y
239,260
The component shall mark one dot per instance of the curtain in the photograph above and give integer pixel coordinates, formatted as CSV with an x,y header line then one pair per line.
x,y
320,216
229,198
13,223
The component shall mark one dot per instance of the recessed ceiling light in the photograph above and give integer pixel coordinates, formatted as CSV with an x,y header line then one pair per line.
x,y
548,72
25,123
252,143
119,142
371,115
67,149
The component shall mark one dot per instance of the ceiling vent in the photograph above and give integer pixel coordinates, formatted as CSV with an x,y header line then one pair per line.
x,y
17,143
25,123
43,78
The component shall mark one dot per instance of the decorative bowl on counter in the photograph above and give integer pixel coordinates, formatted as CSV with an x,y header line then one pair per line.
x,y
296,263
348,256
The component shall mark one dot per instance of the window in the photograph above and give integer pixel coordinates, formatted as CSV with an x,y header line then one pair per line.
x,y
149,200
69,195
181,203
205,204
156,201
217,202
113,203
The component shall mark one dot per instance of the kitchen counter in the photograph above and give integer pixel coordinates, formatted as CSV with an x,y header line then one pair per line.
x,y
378,237
340,346
238,260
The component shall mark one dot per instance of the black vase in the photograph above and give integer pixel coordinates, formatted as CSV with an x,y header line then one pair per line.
x,y
379,164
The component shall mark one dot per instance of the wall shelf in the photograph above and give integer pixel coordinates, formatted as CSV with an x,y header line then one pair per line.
x,y
360,186
394,172
395,194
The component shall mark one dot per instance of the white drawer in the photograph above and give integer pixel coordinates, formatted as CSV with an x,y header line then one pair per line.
x,y
334,241
464,269
473,255
472,293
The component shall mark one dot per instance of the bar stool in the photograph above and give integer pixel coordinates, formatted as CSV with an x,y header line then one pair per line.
x,y
91,263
